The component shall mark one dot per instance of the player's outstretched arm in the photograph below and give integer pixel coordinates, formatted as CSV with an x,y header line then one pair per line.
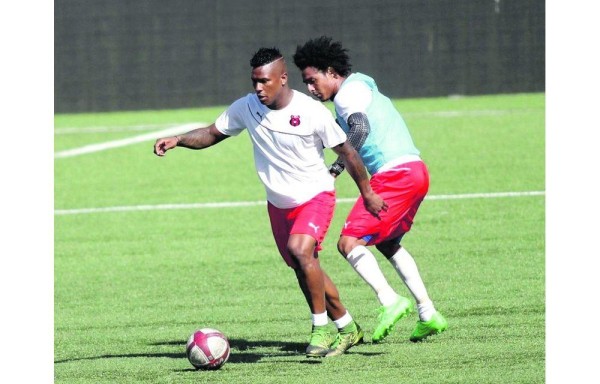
x,y
196,139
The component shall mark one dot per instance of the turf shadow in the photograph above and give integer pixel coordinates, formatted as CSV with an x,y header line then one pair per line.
x,y
242,351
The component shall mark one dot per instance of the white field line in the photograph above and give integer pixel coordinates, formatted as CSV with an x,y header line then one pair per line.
x,y
145,127
184,128
130,208
484,112
108,129
128,141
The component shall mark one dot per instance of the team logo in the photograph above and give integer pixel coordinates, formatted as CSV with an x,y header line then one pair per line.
x,y
313,226
294,121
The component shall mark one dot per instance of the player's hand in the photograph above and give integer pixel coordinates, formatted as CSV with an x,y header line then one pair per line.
x,y
161,146
375,204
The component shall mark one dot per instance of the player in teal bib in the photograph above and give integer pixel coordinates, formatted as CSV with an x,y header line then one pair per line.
x,y
389,138
378,132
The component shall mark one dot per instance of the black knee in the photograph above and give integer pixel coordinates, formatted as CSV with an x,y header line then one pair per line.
x,y
388,248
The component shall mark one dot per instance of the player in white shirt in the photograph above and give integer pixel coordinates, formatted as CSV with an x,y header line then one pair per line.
x,y
289,131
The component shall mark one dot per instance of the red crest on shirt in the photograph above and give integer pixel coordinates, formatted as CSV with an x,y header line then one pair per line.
x,y
295,121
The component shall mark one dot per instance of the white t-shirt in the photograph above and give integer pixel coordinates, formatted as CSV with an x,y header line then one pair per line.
x,y
288,145
352,98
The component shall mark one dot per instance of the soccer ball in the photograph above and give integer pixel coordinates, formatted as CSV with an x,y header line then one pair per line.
x,y
207,348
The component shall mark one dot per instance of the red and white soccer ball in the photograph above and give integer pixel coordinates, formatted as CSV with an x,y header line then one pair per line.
x,y
207,348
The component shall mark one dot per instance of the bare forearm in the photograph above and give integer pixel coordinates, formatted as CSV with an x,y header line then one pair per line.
x,y
197,139
356,168
357,171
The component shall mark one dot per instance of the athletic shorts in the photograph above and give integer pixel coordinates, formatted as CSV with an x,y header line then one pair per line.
x,y
403,188
311,218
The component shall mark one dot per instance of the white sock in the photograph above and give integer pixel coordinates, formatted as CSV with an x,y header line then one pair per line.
x,y
363,262
343,321
319,319
426,311
406,267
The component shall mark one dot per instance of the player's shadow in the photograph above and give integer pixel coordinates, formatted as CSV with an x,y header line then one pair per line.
x,y
245,348
242,351
124,355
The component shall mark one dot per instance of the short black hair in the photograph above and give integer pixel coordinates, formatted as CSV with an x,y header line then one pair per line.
x,y
265,56
322,53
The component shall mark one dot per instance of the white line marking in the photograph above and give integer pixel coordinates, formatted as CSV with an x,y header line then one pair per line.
x,y
484,112
107,129
145,127
486,195
128,141
130,208
184,128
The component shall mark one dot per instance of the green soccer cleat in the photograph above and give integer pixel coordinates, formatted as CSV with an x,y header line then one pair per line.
x,y
320,340
346,338
436,325
389,316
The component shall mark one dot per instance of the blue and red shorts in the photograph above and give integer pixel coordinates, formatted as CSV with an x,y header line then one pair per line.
x,y
403,188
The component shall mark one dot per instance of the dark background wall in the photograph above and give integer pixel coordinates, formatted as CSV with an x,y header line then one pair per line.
x,y
158,54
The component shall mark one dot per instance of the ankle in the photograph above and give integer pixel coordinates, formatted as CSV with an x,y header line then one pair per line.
x,y
426,310
348,328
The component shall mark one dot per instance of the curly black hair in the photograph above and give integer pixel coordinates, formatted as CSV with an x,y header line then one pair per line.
x,y
265,56
322,53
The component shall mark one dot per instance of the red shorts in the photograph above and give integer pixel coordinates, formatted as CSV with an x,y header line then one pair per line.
x,y
403,188
311,218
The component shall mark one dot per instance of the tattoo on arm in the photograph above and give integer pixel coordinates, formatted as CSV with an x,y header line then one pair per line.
x,y
200,138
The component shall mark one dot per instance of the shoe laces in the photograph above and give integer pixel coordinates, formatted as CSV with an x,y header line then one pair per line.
x,y
320,337
336,341
343,341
